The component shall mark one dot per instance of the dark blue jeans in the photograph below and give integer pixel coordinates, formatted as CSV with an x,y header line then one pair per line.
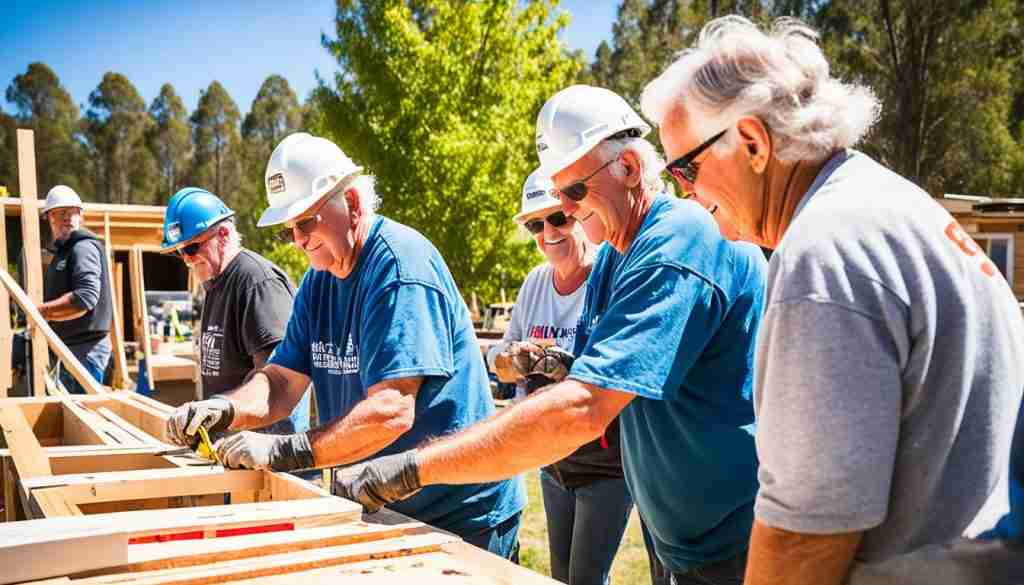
x,y
585,527
502,540
94,356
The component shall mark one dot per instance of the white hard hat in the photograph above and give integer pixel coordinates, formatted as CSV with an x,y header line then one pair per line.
x,y
61,196
576,119
538,195
301,170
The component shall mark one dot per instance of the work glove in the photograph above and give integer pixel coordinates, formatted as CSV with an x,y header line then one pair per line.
x,y
380,481
249,450
522,359
215,414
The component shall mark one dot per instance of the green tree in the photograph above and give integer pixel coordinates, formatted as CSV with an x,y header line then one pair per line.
x,y
217,145
945,74
438,98
275,113
8,152
170,141
115,130
42,104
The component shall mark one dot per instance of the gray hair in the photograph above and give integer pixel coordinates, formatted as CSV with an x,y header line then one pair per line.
x,y
234,237
366,189
651,161
780,76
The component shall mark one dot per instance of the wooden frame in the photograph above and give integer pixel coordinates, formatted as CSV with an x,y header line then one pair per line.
x,y
31,250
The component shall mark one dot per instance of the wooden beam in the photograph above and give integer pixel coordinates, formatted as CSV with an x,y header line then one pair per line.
x,y
134,431
120,378
141,315
141,413
107,536
6,335
29,457
31,247
172,555
91,488
47,336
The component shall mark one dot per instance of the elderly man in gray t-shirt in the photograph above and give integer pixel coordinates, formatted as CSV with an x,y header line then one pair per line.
x,y
890,360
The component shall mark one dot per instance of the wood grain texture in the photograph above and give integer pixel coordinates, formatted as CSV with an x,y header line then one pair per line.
x,y
29,457
31,249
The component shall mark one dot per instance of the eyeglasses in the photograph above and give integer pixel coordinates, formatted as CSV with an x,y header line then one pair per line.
x,y
306,226
685,168
191,249
578,190
536,226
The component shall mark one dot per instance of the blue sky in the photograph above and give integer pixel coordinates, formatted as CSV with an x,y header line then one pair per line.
x,y
189,43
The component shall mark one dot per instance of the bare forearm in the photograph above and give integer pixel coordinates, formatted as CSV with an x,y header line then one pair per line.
x,y
780,557
372,425
62,308
542,429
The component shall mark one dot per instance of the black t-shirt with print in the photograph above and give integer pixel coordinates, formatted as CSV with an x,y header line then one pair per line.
x,y
245,312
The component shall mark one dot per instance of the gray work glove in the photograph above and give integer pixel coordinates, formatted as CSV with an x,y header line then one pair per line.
x,y
215,413
380,481
249,450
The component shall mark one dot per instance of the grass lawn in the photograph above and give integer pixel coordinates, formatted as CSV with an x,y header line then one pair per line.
x,y
630,566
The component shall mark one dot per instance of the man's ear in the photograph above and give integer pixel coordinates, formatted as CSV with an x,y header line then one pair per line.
x,y
631,162
755,141
355,208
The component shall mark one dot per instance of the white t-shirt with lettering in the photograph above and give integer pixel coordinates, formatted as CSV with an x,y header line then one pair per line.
x,y
541,314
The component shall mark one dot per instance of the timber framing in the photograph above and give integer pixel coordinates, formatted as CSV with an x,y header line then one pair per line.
x,y
88,471
124,228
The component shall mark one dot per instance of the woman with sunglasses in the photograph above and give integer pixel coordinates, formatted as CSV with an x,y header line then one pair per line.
x,y
586,499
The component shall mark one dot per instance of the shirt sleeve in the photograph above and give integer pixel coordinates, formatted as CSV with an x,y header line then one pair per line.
x,y
656,325
828,397
86,273
264,313
407,330
294,350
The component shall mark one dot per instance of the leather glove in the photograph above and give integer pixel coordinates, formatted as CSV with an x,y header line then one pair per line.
x,y
514,362
380,481
215,413
554,363
251,450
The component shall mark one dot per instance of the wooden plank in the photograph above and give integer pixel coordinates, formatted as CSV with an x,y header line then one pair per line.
x,y
53,503
152,402
129,428
283,486
106,536
68,359
171,367
7,476
188,553
28,455
139,307
120,377
109,461
81,429
91,488
6,335
31,246
284,563
139,410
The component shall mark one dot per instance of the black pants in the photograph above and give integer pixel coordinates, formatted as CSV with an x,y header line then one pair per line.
x,y
727,572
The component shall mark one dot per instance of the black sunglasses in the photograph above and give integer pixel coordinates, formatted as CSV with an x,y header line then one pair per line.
x,y
305,226
536,226
685,168
191,249
578,190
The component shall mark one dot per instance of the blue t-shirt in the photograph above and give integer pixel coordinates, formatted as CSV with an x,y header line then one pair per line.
x,y
397,315
674,321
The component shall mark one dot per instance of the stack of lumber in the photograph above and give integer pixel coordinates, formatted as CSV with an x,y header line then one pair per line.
x,y
103,507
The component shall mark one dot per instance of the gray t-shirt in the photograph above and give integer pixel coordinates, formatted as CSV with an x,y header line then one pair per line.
x,y
889,369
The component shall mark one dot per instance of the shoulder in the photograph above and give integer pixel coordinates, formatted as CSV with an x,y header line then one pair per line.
x,y
254,270
863,225
683,235
398,252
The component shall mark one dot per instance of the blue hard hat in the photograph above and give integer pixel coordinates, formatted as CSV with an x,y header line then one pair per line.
x,y
190,212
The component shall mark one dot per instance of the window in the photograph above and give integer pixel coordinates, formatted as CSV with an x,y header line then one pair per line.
x,y
999,248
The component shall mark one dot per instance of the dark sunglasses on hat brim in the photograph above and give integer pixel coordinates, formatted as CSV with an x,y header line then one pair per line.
x,y
536,225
